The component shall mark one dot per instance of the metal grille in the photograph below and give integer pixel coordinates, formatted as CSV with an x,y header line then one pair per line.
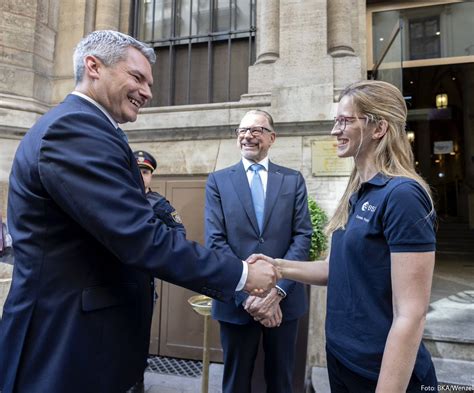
x,y
171,366
193,38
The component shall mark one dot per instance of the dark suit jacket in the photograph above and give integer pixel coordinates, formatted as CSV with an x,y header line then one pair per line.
x,y
86,241
231,226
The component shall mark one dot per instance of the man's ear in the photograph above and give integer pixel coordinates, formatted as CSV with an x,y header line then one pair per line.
x,y
380,130
272,137
92,66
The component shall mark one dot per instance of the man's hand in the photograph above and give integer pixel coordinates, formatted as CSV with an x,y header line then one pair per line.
x,y
275,319
262,308
266,311
261,277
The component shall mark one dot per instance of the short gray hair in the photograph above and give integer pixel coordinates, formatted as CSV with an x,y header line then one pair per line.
x,y
109,46
263,113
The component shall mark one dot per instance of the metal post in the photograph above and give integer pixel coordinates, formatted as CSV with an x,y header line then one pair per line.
x,y
202,305
205,356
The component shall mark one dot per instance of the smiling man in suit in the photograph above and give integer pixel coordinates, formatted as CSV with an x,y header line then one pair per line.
x,y
257,206
87,242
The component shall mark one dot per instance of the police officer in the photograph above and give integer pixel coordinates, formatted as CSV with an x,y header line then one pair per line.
x,y
162,208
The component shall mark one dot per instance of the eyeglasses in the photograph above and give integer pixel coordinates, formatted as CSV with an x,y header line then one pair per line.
x,y
255,131
340,122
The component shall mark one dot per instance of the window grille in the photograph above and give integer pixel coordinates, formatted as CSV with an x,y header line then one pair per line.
x,y
203,48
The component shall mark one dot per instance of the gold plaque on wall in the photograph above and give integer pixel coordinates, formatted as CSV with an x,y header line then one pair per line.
x,y
325,162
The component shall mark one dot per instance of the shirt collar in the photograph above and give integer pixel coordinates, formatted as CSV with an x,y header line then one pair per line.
x,y
379,180
102,109
247,163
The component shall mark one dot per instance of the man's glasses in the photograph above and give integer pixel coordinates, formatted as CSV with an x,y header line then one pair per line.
x,y
340,122
255,131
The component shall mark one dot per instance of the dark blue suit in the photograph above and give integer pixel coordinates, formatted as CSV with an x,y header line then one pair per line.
x,y
231,226
77,317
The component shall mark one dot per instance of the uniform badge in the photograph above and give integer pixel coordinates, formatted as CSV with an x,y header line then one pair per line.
x,y
175,216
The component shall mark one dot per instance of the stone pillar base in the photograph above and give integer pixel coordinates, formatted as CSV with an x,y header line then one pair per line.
x,y
5,281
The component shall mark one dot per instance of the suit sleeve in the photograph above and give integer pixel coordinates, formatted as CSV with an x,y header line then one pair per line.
x,y
87,170
301,232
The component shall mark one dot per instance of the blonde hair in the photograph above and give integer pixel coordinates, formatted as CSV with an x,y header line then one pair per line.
x,y
380,101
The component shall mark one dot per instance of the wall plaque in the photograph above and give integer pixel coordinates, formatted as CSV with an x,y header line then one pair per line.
x,y
325,162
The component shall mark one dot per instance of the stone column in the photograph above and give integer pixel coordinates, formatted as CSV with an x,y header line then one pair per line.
x,y
27,42
344,23
107,15
268,31
316,355
125,10
89,17
340,28
73,19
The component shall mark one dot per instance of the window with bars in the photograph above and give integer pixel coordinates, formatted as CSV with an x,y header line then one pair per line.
x,y
203,48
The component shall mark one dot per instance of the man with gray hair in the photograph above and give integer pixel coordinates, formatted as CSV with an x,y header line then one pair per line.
x,y
87,242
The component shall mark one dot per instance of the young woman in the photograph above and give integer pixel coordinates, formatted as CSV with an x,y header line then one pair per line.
x,y
380,267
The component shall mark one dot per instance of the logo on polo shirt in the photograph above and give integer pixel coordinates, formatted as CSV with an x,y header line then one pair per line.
x,y
367,207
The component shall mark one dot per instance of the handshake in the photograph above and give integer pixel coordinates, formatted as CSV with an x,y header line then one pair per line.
x,y
263,273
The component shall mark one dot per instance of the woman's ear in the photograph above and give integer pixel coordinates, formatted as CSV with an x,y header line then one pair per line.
x,y
380,130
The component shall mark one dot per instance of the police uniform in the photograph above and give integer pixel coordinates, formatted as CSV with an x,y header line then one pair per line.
x,y
161,206
165,212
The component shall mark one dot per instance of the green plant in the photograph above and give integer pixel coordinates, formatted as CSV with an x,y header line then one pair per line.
x,y
319,239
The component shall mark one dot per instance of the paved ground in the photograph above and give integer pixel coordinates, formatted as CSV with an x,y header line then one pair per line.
x,y
451,313
161,383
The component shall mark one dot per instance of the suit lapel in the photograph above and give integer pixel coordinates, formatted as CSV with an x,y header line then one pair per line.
x,y
274,182
240,182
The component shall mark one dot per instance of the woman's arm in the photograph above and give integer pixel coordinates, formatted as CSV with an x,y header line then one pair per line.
x,y
412,274
315,273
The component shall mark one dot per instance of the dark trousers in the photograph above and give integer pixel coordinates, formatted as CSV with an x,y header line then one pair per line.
x,y
240,345
344,380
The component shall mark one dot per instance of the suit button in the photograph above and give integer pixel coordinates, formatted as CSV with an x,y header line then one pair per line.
x,y
261,240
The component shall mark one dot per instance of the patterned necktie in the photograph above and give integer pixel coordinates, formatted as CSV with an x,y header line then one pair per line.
x,y
258,196
122,134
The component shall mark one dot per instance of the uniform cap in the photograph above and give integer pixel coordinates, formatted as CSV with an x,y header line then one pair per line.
x,y
145,160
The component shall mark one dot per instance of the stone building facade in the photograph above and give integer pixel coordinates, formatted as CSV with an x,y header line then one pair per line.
x,y
306,52
300,67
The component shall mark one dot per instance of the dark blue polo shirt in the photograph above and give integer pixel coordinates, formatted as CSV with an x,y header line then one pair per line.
x,y
386,215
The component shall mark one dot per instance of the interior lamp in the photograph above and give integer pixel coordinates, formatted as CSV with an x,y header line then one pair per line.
x,y
441,100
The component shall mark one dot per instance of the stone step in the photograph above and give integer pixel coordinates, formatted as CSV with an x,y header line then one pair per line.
x,y
455,373
320,380
450,349
466,241
454,233
448,330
